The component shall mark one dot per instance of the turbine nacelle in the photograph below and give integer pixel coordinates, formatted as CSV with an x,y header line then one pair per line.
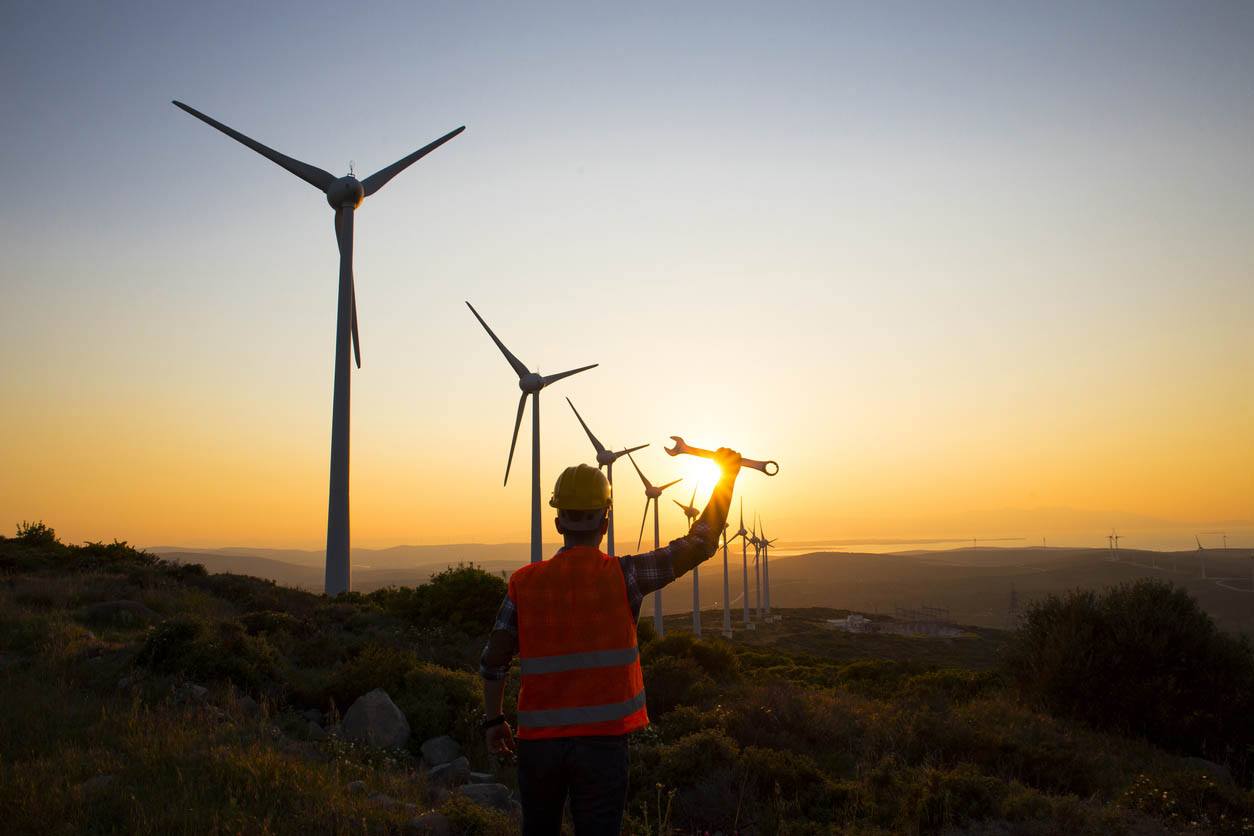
x,y
531,382
346,191
606,457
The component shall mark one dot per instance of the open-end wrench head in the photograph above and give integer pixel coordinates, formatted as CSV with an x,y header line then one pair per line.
x,y
679,447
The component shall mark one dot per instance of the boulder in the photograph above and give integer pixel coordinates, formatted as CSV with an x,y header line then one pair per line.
x,y
313,731
313,715
481,778
356,787
429,824
442,749
247,705
382,800
450,774
119,613
492,796
375,720
191,692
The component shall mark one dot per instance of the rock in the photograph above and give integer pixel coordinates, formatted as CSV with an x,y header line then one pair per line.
x,y
442,749
356,787
450,774
313,731
375,720
481,778
130,680
335,731
313,715
382,800
119,613
429,824
247,705
305,751
1217,771
97,784
492,796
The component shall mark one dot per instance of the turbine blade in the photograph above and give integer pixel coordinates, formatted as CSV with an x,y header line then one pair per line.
x,y
694,496
591,437
668,484
519,368
553,378
742,513
640,539
637,467
680,504
356,336
629,450
377,180
311,174
522,402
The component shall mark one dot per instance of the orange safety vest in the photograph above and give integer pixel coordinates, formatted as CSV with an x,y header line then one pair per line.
x,y
577,648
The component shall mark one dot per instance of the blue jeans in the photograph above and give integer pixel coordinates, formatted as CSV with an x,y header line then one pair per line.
x,y
591,770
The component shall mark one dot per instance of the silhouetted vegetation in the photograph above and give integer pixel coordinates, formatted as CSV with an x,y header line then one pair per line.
x,y
1143,659
796,735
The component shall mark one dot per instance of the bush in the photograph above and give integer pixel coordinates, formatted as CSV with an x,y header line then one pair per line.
x,y
439,701
36,534
465,598
376,666
1142,659
217,652
671,682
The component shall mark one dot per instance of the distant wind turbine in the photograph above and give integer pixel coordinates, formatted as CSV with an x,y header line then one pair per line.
x,y
606,459
1201,554
691,512
727,626
743,534
344,194
530,383
651,495
766,567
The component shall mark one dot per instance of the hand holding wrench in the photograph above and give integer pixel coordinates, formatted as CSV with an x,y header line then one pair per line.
x,y
770,468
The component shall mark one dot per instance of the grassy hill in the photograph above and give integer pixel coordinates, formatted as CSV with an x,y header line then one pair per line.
x,y
789,729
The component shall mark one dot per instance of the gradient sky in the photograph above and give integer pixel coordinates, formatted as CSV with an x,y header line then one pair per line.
x,y
941,260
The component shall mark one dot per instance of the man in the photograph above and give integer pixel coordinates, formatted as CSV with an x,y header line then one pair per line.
x,y
572,622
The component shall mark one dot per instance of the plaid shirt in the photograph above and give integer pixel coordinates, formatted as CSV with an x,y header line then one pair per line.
x,y
644,573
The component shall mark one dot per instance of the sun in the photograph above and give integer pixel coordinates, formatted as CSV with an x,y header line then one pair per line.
x,y
698,473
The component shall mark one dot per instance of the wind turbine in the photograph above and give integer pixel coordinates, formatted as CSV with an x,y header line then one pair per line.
x,y
530,383
727,627
651,494
757,573
606,459
1201,554
344,194
691,512
743,534
766,568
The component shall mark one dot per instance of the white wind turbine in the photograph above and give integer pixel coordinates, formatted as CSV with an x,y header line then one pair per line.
x,y
743,534
766,568
691,512
606,459
344,194
756,542
530,383
651,495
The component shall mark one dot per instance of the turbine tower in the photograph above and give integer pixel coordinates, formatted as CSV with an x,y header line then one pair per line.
x,y
530,383
1201,554
344,194
757,574
691,512
606,459
726,588
651,495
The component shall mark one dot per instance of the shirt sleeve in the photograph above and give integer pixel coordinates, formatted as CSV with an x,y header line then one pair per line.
x,y
502,643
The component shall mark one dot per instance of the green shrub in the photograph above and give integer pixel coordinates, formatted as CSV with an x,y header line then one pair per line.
x,y
36,534
670,682
221,651
376,666
463,597
1143,659
439,701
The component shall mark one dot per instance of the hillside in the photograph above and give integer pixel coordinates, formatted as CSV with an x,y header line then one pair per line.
x,y
145,696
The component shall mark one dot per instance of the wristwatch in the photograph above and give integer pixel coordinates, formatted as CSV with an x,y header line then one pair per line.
x,y
489,722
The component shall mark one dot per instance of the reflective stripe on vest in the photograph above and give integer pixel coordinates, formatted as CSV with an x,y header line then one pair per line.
x,y
578,661
581,714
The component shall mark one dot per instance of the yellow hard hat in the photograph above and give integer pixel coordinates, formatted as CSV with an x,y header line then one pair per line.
x,y
581,488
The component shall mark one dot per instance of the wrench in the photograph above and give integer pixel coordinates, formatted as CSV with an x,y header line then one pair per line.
x,y
770,468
